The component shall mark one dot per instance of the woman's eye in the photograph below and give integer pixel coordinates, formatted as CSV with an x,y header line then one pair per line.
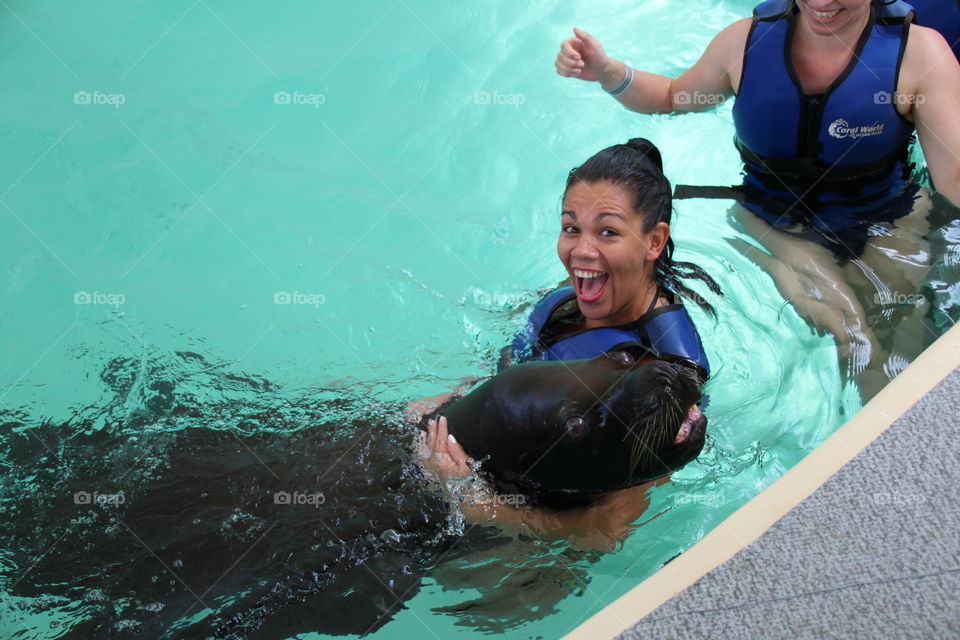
x,y
568,228
609,233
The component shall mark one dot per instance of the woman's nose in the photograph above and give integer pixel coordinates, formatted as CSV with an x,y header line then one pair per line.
x,y
584,248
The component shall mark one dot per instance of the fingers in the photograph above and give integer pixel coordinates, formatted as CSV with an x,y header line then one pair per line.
x,y
448,457
442,435
569,51
427,436
436,439
458,454
588,39
452,448
569,62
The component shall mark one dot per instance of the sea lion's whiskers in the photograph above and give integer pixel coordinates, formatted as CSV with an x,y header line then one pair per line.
x,y
675,401
644,452
634,456
638,451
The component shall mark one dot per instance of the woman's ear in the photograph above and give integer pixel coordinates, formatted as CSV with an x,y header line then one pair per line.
x,y
658,240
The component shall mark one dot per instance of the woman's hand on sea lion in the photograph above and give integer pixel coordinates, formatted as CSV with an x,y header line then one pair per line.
x,y
416,409
582,57
445,457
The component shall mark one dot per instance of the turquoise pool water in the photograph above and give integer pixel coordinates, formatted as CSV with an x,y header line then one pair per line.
x,y
175,173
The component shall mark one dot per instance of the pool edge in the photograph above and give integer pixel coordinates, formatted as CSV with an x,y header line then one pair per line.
x,y
754,518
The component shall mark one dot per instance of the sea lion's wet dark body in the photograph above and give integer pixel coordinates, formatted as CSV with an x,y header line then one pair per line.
x,y
200,546
552,430
200,528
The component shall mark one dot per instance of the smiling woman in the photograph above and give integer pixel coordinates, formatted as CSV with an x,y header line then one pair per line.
x,y
622,411
615,245
587,438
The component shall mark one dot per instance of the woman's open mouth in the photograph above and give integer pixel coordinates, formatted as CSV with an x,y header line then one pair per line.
x,y
590,285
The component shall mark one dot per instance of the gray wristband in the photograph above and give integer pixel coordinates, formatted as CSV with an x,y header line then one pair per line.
x,y
624,85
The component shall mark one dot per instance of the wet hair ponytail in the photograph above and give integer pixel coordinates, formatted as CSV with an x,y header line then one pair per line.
x,y
637,166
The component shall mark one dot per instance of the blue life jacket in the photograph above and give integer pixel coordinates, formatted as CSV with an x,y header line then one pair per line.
x,y
666,332
942,15
852,131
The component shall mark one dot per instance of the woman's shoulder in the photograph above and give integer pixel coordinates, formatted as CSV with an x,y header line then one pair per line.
x,y
725,52
734,35
925,47
926,58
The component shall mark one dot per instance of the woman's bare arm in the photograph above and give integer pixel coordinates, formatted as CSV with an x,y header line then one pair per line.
x,y
930,83
601,527
711,80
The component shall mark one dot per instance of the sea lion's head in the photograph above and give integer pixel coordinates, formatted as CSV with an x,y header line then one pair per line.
x,y
562,431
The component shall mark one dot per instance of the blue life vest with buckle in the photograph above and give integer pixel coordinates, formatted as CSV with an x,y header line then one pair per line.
x,y
667,332
851,131
942,15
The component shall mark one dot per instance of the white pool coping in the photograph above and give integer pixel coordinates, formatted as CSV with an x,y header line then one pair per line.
x,y
751,520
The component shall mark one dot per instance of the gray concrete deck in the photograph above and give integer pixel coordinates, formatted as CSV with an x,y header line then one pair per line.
x,y
873,553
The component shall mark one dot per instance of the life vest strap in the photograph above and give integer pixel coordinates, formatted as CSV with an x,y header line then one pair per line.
x,y
815,168
688,191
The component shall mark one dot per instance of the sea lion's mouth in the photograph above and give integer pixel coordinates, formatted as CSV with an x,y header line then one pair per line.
x,y
694,422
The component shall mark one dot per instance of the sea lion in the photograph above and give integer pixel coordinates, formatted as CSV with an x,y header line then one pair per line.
x,y
203,532
561,432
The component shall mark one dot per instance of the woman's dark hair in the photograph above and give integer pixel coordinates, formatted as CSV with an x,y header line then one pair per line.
x,y
637,167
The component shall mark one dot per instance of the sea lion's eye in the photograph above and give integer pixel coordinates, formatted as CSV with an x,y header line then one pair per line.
x,y
575,427
624,358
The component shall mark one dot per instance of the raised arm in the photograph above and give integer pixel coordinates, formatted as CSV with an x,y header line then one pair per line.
x,y
934,77
706,84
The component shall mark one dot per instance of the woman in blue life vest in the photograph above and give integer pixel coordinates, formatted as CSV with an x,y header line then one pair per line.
x,y
624,286
829,94
624,290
